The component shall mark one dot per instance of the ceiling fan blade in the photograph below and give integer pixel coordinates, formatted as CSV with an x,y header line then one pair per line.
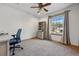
x,y
45,9
34,7
46,4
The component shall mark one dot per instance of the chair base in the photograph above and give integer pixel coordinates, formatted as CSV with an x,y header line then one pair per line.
x,y
13,49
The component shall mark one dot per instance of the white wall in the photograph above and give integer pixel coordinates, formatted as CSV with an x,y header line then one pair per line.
x,y
73,22
11,19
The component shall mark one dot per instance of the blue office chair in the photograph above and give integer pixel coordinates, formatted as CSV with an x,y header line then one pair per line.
x,y
14,41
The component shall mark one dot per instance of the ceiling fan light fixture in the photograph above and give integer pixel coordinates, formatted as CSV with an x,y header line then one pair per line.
x,y
39,13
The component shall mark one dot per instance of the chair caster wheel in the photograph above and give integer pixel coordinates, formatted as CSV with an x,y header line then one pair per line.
x,y
13,53
22,48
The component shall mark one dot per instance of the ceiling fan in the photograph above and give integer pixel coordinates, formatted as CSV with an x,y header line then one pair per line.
x,y
41,6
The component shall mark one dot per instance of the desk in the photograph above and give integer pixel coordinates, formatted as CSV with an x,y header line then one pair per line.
x,y
4,45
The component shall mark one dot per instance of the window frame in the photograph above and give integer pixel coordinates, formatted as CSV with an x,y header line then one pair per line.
x,y
49,17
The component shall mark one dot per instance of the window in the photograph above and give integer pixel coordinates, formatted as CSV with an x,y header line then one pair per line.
x,y
56,24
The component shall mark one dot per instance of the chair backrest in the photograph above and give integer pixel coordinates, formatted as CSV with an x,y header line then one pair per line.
x,y
18,34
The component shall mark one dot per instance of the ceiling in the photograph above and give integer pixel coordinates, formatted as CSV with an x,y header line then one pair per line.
x,y
26,8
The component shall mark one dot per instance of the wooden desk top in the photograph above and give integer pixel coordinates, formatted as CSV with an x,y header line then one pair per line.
x,y
4,38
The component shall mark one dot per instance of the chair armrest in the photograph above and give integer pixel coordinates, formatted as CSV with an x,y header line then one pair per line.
x,y
13,36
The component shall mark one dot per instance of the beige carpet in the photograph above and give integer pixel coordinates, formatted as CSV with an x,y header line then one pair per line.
x,y
44,48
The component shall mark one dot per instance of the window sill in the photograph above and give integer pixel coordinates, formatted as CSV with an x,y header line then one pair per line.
x,y
56,34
